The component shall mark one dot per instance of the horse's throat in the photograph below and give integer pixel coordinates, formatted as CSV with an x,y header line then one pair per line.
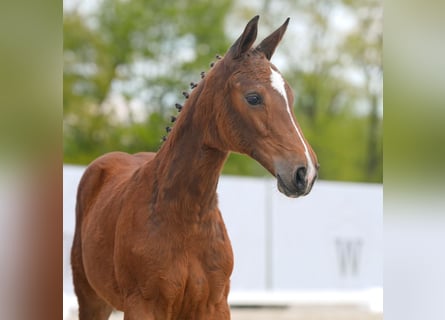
x,y
188,176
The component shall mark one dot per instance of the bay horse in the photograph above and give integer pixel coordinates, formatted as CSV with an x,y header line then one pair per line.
x,y
149,239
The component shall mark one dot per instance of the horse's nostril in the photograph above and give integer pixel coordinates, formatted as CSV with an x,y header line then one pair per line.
x,y
300,178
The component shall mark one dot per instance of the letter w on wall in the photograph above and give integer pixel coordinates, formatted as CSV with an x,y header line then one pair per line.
x,y
348,252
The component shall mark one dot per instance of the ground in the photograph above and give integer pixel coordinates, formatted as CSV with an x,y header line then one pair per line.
x,y
303,312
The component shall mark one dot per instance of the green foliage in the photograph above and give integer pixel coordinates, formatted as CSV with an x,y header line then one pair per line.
x,y
341,118
100,54
238,164
127,63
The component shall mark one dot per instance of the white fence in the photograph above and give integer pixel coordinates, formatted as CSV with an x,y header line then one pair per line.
x,y
323,248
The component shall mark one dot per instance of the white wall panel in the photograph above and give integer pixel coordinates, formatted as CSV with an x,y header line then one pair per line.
x,y
331,239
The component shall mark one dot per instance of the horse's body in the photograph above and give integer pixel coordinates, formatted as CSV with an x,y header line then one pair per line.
x,y
150,239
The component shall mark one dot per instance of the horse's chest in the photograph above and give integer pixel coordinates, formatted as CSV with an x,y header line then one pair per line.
x,y
184,270
205,285
198,272
189,275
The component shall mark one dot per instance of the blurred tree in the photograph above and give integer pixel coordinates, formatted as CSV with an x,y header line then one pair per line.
x,y
126,63
364,46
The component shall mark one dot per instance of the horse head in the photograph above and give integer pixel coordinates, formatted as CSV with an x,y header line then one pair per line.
x,y
253,112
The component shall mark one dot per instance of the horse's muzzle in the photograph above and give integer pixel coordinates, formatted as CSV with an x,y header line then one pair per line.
x,y
296,184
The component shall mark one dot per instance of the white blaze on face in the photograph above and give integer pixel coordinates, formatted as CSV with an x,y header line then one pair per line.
x,y
277,83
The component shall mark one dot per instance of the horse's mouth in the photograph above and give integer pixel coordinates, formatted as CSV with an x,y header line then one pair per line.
x,y
289,191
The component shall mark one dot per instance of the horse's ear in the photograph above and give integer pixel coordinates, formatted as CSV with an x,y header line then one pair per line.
x,y
268,45
245,41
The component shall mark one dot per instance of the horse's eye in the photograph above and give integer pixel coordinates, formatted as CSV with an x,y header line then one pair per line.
x,y
254,99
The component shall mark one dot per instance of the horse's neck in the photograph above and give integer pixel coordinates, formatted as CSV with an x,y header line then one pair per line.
x,y
187,171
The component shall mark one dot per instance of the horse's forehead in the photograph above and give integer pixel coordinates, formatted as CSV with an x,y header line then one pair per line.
x,y
255,71
269,78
